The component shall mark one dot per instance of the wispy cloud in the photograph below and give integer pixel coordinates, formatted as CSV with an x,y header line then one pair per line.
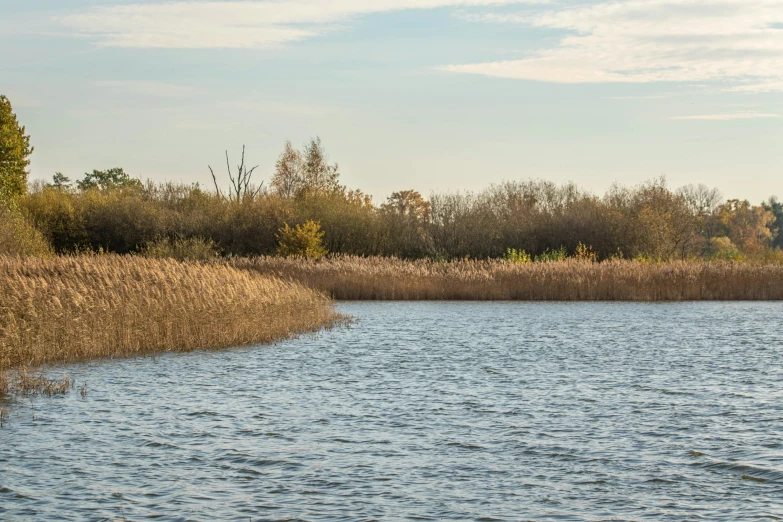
x,y
661,96
729,116
646,41
754,88
234,24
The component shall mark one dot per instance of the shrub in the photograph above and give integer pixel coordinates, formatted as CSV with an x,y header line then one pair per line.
x,y
18,237
302,241
517,256
585,253
721,248
552,255
59,215
190,249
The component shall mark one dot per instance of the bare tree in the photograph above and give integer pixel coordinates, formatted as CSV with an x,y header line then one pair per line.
x,y
240,187
701,199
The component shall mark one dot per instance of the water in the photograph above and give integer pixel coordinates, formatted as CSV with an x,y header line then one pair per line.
x,y
426,411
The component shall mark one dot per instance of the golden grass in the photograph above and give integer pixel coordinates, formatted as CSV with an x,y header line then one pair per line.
x,y
349,278
66,309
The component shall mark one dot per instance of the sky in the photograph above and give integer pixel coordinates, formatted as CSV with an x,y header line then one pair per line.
x,y
432,95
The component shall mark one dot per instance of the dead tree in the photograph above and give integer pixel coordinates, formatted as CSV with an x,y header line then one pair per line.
x,y
240,187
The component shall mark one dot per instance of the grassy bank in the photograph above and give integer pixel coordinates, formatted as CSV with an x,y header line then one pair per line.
x,y
64,309
347,278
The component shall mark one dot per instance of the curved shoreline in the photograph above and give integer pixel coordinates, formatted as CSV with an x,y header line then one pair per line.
x,y
68,309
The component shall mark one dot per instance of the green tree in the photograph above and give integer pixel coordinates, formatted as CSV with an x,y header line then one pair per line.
x,y
60,181
108,179
15,152
776,207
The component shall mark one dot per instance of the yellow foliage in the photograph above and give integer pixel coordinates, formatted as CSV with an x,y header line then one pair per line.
x,y
305,241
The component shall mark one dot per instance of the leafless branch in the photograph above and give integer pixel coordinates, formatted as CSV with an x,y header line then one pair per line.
x,y
240,186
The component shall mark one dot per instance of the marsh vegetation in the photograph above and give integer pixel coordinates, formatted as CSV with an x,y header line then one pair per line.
x,y
106,265
570,279
65,309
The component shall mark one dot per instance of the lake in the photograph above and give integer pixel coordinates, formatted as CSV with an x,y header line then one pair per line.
x,y
425,411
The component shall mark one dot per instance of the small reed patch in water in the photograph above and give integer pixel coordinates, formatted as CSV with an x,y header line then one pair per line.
x,y
32,383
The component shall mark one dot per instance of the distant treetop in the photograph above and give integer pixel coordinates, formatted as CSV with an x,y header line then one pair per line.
x,y
107,179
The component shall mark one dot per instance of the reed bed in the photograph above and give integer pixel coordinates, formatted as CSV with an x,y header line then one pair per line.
x,y
67,309
375,278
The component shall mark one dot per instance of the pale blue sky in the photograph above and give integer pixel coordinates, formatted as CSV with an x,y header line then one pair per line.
x,y
423,94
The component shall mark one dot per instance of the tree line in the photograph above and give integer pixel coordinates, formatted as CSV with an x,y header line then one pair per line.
x,y
111,210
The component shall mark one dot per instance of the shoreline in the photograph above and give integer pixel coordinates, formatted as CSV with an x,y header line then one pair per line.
x,y
348,278
67,309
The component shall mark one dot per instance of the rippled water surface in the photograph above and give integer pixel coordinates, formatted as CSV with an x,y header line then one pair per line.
x,y
428,411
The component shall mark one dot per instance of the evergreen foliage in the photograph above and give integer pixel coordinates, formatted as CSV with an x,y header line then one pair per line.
x,y
15,151
103,180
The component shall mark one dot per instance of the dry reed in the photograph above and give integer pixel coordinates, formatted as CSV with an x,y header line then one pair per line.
x,y
356,278
74,308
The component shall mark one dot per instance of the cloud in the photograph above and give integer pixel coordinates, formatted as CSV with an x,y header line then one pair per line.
x,y
758,87
661,96
729,116
234,24
647,41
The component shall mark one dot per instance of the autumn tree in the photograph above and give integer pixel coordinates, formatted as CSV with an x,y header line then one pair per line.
x,y
659,222
746,225
288,179
306,172
15,151
407,215
703,203
409,204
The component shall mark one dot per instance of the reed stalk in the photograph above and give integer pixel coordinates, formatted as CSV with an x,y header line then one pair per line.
x,y
376,278
66,309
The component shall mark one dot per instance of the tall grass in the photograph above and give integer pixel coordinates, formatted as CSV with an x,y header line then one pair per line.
x,y
65,309
375,278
